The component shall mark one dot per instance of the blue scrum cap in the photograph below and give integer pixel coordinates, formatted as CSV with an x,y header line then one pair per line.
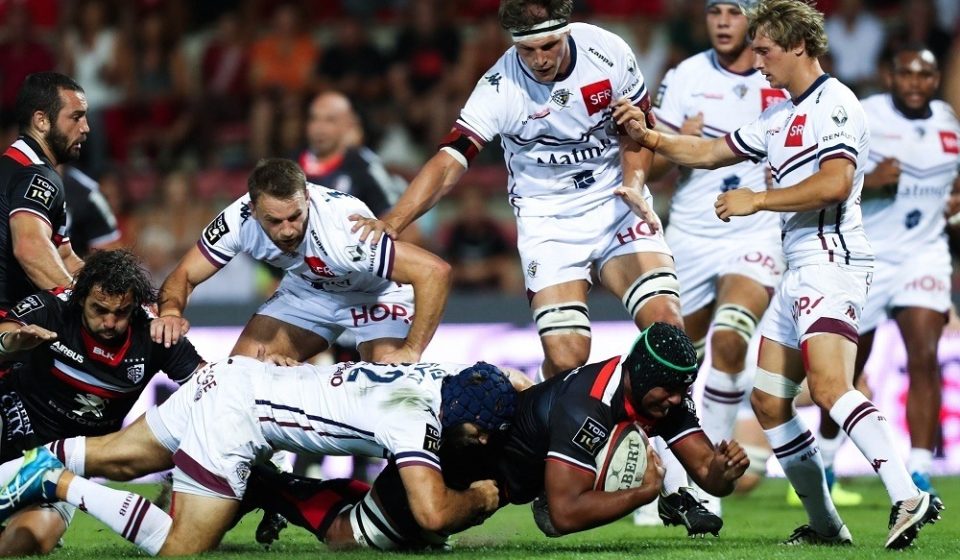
x,y
481,394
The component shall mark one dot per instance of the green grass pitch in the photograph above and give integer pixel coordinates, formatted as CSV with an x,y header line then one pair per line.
x,y
754,525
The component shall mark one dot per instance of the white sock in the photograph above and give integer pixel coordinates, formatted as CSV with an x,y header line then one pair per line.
x,y
872,435
129,515
722,396
829,447
72,452
920,460
796,449
675,475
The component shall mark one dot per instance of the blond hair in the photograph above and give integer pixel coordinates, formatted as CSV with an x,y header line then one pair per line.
x,y
789,23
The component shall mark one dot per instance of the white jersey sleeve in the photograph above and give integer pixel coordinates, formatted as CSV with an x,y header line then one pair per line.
x,y
482,115
669,107
221,240
749,141
345,253
412,436
840,132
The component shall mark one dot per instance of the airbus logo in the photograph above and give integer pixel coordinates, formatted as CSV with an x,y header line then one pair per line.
x,y
61,349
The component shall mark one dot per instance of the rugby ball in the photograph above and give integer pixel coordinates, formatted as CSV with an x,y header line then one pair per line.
x,y
622,461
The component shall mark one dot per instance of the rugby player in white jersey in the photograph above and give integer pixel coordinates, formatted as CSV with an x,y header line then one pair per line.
x,y
234,414
332,280
910,180
727,271
816,144
548,98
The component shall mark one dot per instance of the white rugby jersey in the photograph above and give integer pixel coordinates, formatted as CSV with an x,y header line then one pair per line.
x,y
796,136
929,156
727,100
374,410
330,258
560,145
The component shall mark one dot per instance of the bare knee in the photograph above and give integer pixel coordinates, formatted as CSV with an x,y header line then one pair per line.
x,y
564,355
771,411
32,532
340,534
728,350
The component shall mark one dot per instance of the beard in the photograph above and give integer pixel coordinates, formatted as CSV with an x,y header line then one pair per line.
x,y
60,146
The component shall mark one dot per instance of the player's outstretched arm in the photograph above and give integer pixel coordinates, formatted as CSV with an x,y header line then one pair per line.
x,y
689,151
434,180
170,325
575,506
431,278
15,337
438,508
714,468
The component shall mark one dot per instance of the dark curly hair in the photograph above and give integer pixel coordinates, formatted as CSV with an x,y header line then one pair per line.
x,y
116,272
524,14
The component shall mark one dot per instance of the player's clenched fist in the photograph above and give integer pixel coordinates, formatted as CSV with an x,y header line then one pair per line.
x,y
739,202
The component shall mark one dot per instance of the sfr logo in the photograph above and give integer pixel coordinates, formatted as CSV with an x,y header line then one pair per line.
x,y
795,132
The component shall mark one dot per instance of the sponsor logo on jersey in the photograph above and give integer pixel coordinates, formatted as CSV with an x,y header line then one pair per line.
x,y
59,348
216,230
740,90
493,80
597,96
770,97
16,422
600,56
316,239
98,351
245,212
431,439
576,155
532,269
730,182
912,219
135,373
839,115
590,436
561,97
948,140
363,314
90,404
709,95
41,191
795,132
319,267
538,115
26,305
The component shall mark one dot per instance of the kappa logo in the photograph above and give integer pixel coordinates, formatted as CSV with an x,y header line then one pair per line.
x,y
770,97
839,115
877,463
590,436
603,58
795,132
851,312
597,96
41,190
318,267
948,141
216,229
493,80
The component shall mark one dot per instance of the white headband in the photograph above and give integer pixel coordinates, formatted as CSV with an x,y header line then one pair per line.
x,y
540,30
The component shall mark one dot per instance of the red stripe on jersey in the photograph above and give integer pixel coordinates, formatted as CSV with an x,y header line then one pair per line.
x,y
603,378
86,387
17,156
109,355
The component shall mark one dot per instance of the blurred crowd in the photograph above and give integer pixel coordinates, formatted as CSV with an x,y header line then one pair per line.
x,y
184,97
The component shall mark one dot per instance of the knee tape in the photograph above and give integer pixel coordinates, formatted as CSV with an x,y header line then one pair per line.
x,y
775,384
657,282
570,317
758,459
736,318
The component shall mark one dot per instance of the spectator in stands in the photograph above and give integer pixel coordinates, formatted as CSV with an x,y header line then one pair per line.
x,y
353,65
480,52
174,209
96,56
856,38
426,52
281,69
224,82
918,24
650,43
21,54
159,125
478,248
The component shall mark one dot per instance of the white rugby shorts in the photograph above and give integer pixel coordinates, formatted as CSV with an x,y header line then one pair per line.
x,y
701,261
367,316
558,249
815,299
921,280
210,426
